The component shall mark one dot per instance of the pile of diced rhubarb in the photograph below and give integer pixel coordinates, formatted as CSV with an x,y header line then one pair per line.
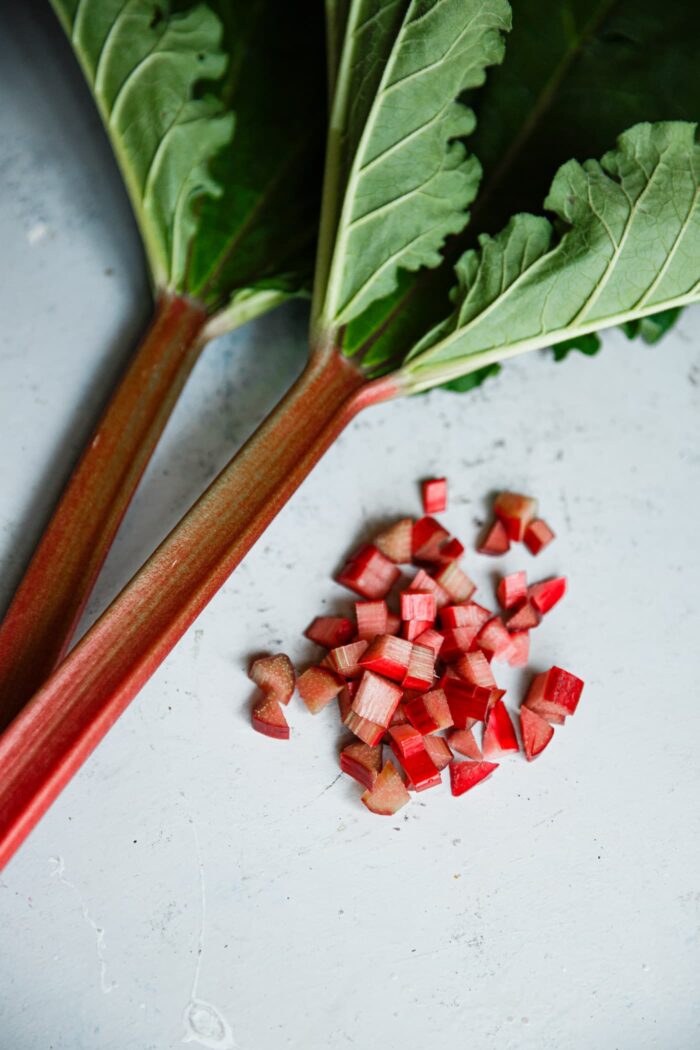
x,y
414,669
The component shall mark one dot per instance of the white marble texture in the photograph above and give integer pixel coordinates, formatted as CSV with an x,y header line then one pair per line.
x,y
197,881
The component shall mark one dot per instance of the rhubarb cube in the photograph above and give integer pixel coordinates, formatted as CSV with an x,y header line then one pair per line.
x,y
317,687
466,775
434,492
516,512
376,699
331,631
396,543
371,619
388,656
536,733
388,794
499,734
495,541
268,719
512,589
369,573
538,535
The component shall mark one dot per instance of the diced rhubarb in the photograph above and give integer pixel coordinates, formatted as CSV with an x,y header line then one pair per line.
x,y
435,703
376,699
345,659
371,619
538,535
396,542
432,639
418,605
361,762
475,668
331,631
345,698
317,687
495,541
464,743
545,710
388,656
422,582
421,668
466,775
274,675
268,718
545,594
393,623
419,717
452,550
524,617
363,728
439,751
428,538
536,733
455,582
457,640
494,640
512,589
409,748
499,734
434,492
471,614
411,630
469,701
519,649
556,687
389,793
399,717
516,512
405,740
369,573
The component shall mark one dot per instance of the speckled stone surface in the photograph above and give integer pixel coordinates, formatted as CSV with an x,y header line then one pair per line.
x,y
197,881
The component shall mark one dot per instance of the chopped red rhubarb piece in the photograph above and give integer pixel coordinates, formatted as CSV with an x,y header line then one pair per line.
x,y
471,614
499,734
389,793
330,631
418,605
428,538
405,740
466,775
519,649
545,710
317,687
275,676
268,718
536,733
371,619
361,762
376,699
419,717
434,492
451,551
538,535
457,640
516,512
512,589
345,698
464,743
469,701
475,668
545,594
495,541
396,543
494,640
524,617
399,717
455,582
421,668
388,656
345,659
412,629
422,582
369,573
556,687
439,751
432,639
363,728
409,749
393,623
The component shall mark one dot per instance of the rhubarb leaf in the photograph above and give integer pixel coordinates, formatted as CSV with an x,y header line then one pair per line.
x,y
398,178
631,248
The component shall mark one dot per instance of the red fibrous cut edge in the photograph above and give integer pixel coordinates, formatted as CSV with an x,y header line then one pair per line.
x,y
499,734
464,743
468,701
417,605
268,718
376,699
317,687
389,793
439,751
371,619
512,589
516,512
547,711
466,775
432,639
274,675
524,617
344,660
545,594
451,550
455,582
396,542
330,631
362,762
419,717
423,582
475,668
494,640
435,703
536,733
434,492
388,656
557,687
471,614
457,641
408,746
519,649
421,668
364,728
495,541
428,538
369,573
399,717
538,535
411,630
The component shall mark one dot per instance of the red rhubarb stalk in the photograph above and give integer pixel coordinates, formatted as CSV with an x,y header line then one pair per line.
x,y
44,613
51,738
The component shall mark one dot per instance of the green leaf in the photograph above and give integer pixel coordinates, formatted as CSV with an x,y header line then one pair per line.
x,y
398,179
652,329
631,248
588,344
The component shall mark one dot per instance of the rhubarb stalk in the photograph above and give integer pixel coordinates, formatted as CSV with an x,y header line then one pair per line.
x,y
54,734
44,613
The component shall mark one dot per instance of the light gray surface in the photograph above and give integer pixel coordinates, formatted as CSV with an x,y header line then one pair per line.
x,y
192,860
